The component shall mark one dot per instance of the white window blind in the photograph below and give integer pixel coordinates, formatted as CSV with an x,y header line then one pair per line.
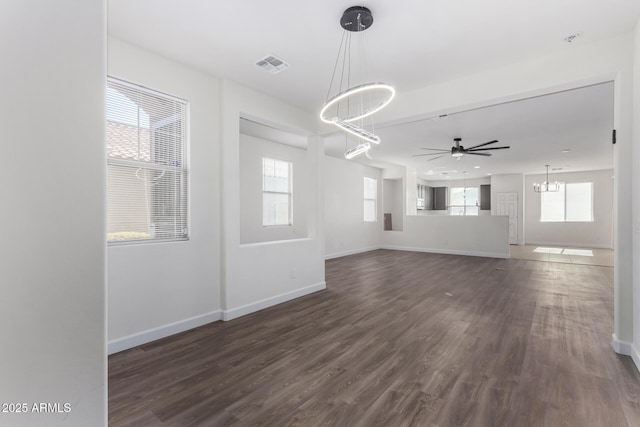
x,y
552,205
370,199
573,203
463,201
579,202
147,176
276,192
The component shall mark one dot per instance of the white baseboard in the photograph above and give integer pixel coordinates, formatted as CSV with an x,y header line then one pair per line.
x,y
243,310
351,252
447,251
626,348
635,355
125,343
569,245
620,347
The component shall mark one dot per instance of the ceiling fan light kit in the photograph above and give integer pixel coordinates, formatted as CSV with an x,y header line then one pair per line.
x,y
546,186
348,108
458,150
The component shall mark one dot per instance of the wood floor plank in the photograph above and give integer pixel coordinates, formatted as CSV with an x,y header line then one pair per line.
x,y
397,339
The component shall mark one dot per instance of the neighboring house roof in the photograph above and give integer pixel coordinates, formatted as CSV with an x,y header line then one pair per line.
x,y
128,142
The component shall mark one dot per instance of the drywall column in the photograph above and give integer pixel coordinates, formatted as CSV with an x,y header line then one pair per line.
x,y
635,350
53,238
623,222
412,191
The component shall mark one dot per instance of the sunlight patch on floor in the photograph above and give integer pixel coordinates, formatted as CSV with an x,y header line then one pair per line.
x,y
564,251
543,250
579,252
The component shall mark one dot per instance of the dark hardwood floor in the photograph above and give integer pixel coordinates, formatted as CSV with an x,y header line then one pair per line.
x,y
397,339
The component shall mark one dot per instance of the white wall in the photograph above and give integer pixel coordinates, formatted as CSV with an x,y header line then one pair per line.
x,y
394,194
486,236
52,243
635,350
412,191
345,230
598,233
161,288
480,235
393,201
578,65
252,151
262,274
512,183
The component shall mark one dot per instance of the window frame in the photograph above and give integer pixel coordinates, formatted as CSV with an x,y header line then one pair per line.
x,y
180,168
289,192
564,213
366,199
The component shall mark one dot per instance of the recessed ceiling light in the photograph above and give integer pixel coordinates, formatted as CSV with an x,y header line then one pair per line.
x,y
476,167
489,173
566,150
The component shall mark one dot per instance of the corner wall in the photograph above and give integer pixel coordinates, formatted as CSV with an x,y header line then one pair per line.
x,y
158,289
259,275
53,238
346,232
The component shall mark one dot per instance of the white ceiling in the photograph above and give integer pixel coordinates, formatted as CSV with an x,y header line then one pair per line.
x,y
411,44
537,130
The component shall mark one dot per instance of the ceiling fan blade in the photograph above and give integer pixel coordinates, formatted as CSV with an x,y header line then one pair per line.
x,y
485,143
436,158
430,154
435,149
487,149
477,154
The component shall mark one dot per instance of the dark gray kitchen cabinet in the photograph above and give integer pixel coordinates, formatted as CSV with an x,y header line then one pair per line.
x,y
485,197
440,198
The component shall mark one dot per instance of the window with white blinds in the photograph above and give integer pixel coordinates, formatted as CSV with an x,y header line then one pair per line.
x,y
147,176
276,192
572,203
370,199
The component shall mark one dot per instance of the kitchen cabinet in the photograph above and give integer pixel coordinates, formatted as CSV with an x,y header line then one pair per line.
x,y
485,197
440,198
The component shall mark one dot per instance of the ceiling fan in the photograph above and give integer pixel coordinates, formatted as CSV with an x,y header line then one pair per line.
x,y
458,150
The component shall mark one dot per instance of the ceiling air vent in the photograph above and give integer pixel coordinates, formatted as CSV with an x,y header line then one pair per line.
x,y
272,64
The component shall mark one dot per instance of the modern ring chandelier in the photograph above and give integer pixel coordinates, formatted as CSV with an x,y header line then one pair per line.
x,y
354,102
